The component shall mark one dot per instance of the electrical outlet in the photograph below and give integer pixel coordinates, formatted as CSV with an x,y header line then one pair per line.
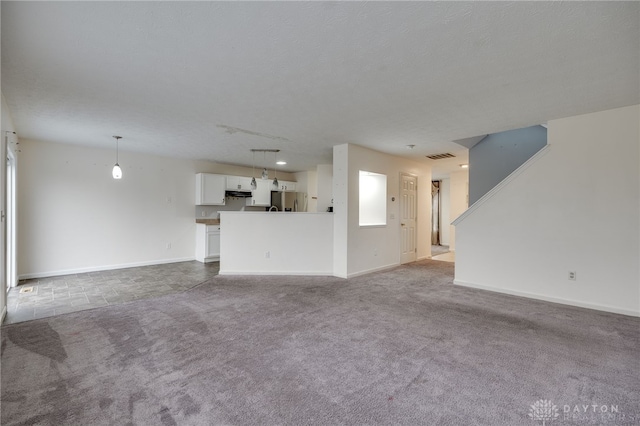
x,y
168,246
202,213
375,252
572,275
393,216
267,255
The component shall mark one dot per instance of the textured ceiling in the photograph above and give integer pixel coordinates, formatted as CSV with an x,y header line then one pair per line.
x,y
212,80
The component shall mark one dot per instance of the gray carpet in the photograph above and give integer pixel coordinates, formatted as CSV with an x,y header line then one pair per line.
x,y
403,346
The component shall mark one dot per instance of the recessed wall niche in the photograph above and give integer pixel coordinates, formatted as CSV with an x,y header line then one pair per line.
x,y
373,199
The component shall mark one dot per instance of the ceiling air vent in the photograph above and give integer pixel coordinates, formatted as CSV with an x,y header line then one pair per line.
x,y
440,156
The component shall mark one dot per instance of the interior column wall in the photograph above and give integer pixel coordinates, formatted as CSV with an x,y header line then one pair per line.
x,y
459,196
369,249
6,125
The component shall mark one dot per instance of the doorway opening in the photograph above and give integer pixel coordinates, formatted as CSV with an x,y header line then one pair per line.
x,y
439,220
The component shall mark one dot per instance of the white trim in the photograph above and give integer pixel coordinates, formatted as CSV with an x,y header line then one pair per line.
x,y
535,157
378,269
4,314
278,273
577,303
102,268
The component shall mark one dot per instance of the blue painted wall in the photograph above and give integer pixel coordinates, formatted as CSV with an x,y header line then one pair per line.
x,y
499,154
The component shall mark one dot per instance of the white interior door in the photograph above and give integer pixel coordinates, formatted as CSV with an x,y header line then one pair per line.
x,y
408,217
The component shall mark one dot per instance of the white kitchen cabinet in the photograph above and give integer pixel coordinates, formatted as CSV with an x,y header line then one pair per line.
x,y
207,243
238,183
286,186
262,195
210,189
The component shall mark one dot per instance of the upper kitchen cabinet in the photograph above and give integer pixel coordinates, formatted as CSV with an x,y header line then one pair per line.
x,y
210,189
286,186
262,195
238,183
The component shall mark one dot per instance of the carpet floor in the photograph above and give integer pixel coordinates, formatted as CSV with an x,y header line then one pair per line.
x,y
402,346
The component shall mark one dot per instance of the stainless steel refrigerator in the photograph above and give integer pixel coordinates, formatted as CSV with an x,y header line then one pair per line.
x,y
289,201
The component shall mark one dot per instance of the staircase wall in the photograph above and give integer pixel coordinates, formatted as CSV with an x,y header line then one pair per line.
x,y
497,155
575,207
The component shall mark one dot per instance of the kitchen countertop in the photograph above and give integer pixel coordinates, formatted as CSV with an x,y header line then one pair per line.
x,y
209,221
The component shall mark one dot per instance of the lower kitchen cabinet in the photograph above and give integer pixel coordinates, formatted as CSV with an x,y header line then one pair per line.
x,y
207,243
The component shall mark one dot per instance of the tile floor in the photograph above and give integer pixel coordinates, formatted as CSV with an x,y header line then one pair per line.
x,y
445,257
77,292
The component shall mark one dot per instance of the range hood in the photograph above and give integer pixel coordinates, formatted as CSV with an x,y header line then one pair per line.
x,y
238,194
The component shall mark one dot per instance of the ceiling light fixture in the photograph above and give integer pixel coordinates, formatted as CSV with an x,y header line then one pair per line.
x,y
276,184
281,163
464,166
411,146
254,184
117,171
265,172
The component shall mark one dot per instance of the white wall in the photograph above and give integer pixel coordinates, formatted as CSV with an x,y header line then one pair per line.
x,y
360,250
459,201
303,185
312,186
74,217
296,243
555,217
445,212
324,184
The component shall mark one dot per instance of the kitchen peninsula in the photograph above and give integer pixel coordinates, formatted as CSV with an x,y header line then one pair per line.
x,y
276,243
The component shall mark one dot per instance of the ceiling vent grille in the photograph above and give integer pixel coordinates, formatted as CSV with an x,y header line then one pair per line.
x,y
440,156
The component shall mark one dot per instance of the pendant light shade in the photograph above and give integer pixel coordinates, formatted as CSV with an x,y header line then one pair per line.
x,y
117,171
254,184
276,184
265,170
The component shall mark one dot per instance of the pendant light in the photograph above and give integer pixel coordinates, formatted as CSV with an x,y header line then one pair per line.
x,y
276,185
265,173
117,171
254,184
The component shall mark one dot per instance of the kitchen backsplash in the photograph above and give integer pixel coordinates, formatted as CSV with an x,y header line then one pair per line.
x,y
232,204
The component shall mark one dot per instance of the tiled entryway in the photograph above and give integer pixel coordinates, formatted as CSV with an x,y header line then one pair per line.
x,y
77,292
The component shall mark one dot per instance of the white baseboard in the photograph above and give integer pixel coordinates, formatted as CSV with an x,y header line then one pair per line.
x,y
279,273
47,274
561,301
369,271
309,273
